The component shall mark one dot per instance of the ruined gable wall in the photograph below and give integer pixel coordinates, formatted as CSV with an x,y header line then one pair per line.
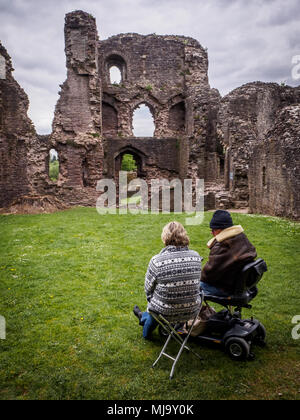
x,y
24,179
274,169
152,69
246,115
169,74
16,133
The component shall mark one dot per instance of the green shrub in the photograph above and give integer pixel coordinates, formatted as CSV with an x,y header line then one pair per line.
x,y
54,170
128,163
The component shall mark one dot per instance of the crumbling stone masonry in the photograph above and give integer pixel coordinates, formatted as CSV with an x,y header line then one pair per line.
x,y
244,145
274,170
260,131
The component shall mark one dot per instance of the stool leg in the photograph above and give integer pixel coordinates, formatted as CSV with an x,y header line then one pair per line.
x,y
163,349
183,346
182,342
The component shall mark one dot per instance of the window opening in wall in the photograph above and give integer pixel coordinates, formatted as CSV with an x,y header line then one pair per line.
x,y
264,176
115,75
142,122
85,176
222,166
130,165
116,69
53,165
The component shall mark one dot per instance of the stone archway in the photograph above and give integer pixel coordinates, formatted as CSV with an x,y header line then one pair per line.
x,y
138,156
143,120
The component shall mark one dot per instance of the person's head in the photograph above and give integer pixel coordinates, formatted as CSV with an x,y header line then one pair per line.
x,y
175,234
221,220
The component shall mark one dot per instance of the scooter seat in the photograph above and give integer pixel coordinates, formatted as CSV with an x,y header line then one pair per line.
x,y
245,287
234,300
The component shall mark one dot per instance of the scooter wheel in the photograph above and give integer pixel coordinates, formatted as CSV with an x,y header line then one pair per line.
x,y
237,348
261,336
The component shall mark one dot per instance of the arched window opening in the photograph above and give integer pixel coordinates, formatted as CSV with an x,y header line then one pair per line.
x,y
85,174
115,75
264,176
222,166
53,165
129,164
116,68
142,122
130,161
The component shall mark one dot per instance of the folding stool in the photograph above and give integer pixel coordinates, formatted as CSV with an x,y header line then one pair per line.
x,y
172,333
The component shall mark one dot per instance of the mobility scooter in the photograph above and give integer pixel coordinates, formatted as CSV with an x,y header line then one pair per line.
x,y
226,328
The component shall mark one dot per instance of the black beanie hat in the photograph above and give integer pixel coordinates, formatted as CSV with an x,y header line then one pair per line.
x,y
221,220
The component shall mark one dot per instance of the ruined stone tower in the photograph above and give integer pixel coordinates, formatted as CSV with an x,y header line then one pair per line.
x,y
238,144
92,128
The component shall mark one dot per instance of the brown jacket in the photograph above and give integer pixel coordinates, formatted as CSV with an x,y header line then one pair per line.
x,y
230,250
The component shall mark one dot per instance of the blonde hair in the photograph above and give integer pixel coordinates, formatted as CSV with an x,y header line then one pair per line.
x,y
174,234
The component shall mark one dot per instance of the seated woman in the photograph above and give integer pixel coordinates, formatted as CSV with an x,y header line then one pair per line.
x,y
172,283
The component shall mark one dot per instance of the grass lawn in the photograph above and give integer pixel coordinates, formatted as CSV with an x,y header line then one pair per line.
x,y
69,281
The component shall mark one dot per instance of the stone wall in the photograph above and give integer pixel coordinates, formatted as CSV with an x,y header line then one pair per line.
x,y
166,73
274,173
246,117
155,155
16,134
77,124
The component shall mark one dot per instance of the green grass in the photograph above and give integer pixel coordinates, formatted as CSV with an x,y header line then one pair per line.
x,y
54,170
69,281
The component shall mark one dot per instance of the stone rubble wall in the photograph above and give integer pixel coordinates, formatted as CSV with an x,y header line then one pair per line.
x,y
77,124
16,135
274,171
246,117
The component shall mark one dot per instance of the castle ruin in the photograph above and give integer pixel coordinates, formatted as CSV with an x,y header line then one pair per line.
x,y
244,145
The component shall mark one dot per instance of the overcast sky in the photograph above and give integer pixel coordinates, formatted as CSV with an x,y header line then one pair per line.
x,y
247,40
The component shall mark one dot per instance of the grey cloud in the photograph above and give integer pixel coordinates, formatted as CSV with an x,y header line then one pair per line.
x,y
283,13
294,40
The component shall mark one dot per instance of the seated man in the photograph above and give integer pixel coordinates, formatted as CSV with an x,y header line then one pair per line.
x,y
230,250
172,283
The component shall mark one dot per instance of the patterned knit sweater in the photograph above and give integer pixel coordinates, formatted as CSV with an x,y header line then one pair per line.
x,y
172,283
